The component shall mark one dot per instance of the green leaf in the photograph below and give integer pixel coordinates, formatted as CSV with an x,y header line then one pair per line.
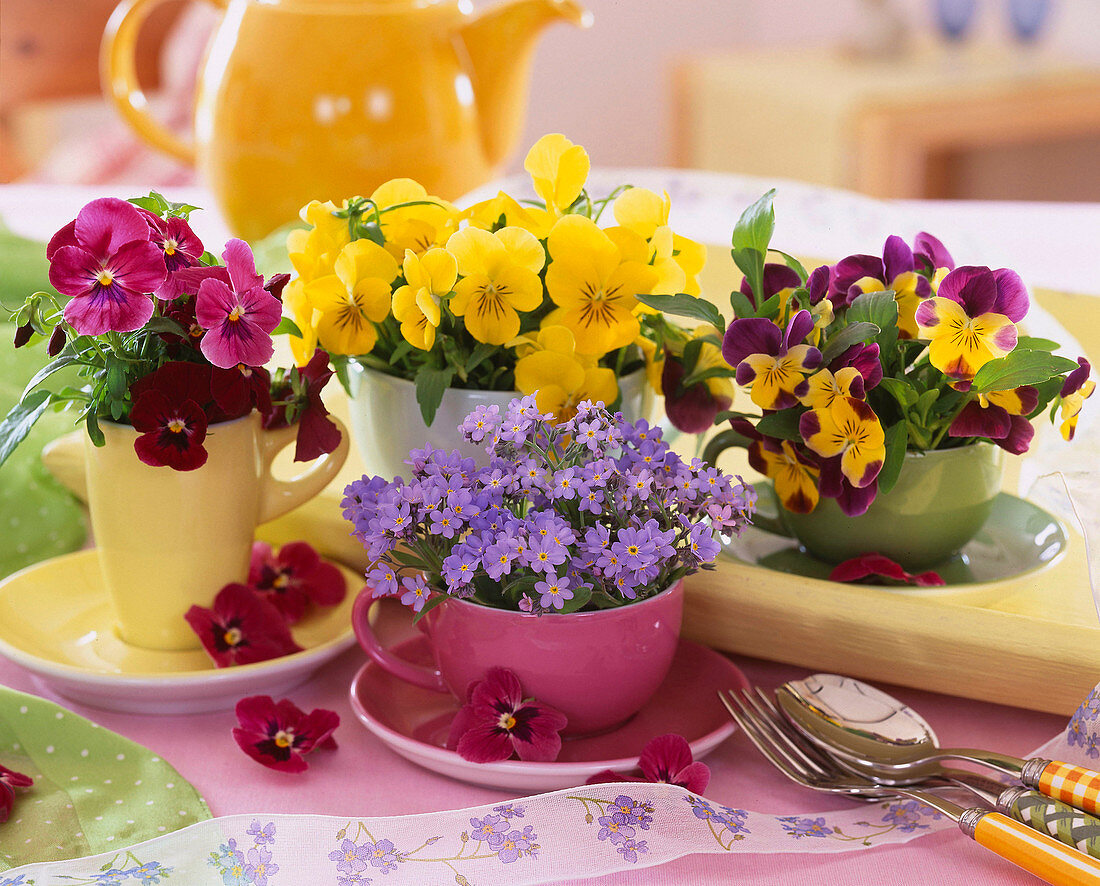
x,y
154,203
479,355
897,441
116,378
684,305
580,599
770,308
794,264
1020,368
901,390
1047,391
19,421
436,600
288,327
690,358
741,304
924,403
55,365
1028,343
703,375
875,307
783,425
852,334
431,384
751,236
371,231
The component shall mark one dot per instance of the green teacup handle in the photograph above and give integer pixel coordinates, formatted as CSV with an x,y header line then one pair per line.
x,y
766,515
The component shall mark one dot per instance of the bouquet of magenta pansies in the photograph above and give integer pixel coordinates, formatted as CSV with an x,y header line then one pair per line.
x,y
589,513
856,363
152,330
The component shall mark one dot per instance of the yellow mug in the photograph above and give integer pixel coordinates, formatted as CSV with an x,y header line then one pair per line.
x,y
171,539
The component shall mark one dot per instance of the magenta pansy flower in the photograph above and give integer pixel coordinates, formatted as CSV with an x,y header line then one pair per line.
x,y
896,270
279,734
294,578
497,722
106,263
9,781
240,317
693,409
665,759
972,320
241,628
772,362
880,566
179,245
172,433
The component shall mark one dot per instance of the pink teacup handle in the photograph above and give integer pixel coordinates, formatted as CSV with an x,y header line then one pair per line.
x,y
426,678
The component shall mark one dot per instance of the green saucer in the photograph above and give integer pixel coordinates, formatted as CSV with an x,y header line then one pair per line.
x,y
1018,538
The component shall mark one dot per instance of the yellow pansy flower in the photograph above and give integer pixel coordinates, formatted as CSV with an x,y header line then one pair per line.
x,y
823,387
353,298
558,171
500,276
850,429
795,478
654,365
416,305
594,279
418,228
313,252
560,378
305,317
677,260
488,213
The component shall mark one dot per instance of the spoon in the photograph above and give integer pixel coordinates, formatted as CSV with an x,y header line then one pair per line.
x,y
864,725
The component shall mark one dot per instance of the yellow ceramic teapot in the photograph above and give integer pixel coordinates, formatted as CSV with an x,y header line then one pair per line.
x,y
319,99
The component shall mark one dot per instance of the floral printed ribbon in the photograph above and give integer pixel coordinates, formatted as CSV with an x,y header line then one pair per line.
x,y
581,832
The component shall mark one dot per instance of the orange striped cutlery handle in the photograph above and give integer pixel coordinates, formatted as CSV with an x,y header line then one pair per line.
x,y
1074,785
1037,853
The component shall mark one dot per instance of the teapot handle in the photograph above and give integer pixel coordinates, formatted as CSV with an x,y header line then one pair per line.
x,y
120,83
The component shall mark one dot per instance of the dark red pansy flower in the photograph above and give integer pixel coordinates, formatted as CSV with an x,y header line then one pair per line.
x,y
279,734
497,721
880,566
276,283
241,628
295,578
9,781
317,433
172,433
691,410
665,759
236,391
179,380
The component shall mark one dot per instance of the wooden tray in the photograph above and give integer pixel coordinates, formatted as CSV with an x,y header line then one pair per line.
x,y
1033,642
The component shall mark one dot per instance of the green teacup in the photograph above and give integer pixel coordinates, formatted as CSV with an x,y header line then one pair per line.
x,y
940,502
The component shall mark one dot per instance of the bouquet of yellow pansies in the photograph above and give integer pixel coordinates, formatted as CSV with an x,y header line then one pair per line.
x,y
854,364
506,295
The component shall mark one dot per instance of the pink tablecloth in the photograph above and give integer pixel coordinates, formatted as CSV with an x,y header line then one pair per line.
x,y
364,778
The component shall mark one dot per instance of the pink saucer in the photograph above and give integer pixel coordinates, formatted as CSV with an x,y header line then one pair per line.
x,y
414,722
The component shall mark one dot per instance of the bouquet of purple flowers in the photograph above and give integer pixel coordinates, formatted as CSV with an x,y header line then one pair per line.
x,y
589,513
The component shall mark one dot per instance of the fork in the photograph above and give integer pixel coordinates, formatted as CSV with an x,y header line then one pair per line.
x,y
806,765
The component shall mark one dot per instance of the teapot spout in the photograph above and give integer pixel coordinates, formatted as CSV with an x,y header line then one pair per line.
x,y
500,44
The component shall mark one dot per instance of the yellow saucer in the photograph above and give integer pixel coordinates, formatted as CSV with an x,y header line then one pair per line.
x,y
56,621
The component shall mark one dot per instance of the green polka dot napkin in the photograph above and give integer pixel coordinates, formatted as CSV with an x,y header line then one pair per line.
x,y
93,789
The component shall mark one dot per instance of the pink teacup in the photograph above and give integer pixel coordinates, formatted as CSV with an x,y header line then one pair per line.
x,y
598,668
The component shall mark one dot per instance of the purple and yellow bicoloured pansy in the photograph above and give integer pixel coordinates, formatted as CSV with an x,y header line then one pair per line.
x,y
865,359
896,270
972,320
931,255
771,363
1001,416
850,430
794,475
824,387
1078,387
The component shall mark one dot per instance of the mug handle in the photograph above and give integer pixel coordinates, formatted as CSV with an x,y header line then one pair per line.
x,y
426,678
120,82
280,496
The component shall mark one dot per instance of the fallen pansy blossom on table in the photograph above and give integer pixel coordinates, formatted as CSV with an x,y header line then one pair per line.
x,y
9,781
279,734
868,565
497,721
241,628
665,759
294,578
